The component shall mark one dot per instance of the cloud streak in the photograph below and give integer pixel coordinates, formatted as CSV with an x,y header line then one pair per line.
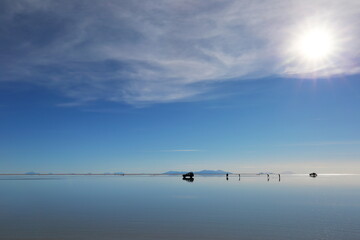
x,y
141,52
326,143
182,150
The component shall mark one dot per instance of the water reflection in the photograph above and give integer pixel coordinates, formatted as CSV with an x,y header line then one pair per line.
x,y
188,179
160,207
29,178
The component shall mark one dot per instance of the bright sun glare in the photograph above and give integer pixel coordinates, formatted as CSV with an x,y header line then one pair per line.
x,y
315,49
315,44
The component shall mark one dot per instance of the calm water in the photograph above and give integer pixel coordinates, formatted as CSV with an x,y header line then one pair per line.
x,y
126,207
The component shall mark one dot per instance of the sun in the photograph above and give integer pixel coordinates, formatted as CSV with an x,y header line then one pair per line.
x,y
315,44
314,48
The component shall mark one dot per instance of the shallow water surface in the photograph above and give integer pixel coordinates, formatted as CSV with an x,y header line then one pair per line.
x,y
166,207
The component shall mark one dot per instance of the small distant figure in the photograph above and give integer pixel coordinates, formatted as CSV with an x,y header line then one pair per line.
x,y
227,177
314,175
239,177
279,177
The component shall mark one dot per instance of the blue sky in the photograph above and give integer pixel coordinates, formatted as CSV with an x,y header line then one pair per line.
x,y
182,85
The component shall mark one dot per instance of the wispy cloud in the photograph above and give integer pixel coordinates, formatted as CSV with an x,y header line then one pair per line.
x,y
325,143
182,150
155,51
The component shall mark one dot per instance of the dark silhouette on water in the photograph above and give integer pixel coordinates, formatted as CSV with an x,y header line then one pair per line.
x,y
279,177
188,175
313,175
188,179
227,176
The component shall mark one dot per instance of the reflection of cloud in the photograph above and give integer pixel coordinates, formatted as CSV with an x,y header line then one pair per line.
x,y
186,197
160,51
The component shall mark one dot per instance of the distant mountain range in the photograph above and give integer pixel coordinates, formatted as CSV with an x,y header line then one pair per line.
x,y
31,173
107,173
199,172
175,172
264,173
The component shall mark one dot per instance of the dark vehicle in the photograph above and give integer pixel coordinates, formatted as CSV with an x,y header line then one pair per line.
x,y
313,174
188,175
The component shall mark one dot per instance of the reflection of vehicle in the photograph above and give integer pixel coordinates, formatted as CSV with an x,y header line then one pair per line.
x,y
313,174
188,179
188,175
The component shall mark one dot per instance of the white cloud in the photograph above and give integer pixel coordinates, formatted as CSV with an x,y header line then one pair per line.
x,y
182,150
162,51
325,143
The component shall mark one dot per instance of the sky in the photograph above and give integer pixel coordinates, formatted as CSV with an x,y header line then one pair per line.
x,y
151,86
